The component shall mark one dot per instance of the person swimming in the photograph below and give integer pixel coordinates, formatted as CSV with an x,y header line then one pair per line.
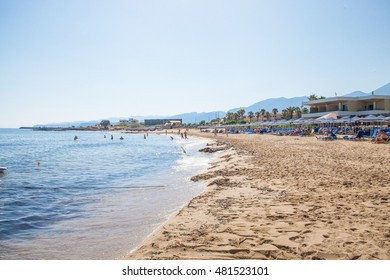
x,y
75,138
121,138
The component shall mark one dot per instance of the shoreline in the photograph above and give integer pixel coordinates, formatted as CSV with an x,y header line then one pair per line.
x,y
271,197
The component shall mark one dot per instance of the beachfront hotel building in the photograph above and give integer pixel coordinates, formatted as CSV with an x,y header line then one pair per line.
x,y
149,122
348,106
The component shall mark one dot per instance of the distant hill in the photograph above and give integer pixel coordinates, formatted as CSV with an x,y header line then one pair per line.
x,y
384,90
194,117
278,103
356,94
69,124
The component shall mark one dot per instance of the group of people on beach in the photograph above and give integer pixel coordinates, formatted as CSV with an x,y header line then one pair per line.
x,y
182,134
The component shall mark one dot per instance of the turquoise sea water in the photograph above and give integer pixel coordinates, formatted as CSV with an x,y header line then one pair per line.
x,y
94,198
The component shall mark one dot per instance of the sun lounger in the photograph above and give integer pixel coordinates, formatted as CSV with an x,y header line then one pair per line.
x,y
357,136
327,137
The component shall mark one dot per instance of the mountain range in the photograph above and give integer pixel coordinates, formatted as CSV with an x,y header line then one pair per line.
x,y
384,90
195,117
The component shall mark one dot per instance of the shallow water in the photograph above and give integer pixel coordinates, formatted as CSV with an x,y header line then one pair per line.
x,y
93,198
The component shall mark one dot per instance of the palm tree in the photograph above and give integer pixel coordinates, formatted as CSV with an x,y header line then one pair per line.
x,y
305,110
262,113
267,114
298,112
230,116
250,116
241,113
313,97
274,112
285,114
290,112
257,114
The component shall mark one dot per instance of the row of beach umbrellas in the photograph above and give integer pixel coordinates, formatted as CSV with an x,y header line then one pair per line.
x,y
327,119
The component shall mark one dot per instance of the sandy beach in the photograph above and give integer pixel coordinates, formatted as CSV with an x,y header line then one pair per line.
x,y
270,197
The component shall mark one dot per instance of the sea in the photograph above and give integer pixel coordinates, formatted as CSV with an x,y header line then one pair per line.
x,y
91,198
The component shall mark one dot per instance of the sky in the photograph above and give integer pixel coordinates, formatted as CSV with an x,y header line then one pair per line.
x,y
88,60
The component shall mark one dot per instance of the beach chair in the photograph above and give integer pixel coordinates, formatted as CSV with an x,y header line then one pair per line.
x,y
330,137
357,136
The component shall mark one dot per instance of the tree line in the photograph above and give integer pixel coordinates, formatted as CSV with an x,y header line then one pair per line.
x,y
261,115
240,117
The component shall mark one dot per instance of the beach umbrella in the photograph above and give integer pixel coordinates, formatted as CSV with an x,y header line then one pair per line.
x,y
298,121
386,119
328,120
369,118
282,122
346,119
355,119
310,121
381,117
329,116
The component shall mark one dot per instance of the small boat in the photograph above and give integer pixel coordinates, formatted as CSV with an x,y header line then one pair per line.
x,y
2,168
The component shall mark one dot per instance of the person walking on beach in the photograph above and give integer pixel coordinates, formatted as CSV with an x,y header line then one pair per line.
x,y
112,137
185,134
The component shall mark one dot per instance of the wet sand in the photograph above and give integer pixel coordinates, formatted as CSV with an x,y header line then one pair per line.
x,y
271,197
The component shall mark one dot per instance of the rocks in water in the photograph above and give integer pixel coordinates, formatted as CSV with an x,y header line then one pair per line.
x,y
204,176
212,149
215,147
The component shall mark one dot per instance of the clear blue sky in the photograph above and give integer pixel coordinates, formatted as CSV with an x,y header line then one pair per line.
x,y
85,60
